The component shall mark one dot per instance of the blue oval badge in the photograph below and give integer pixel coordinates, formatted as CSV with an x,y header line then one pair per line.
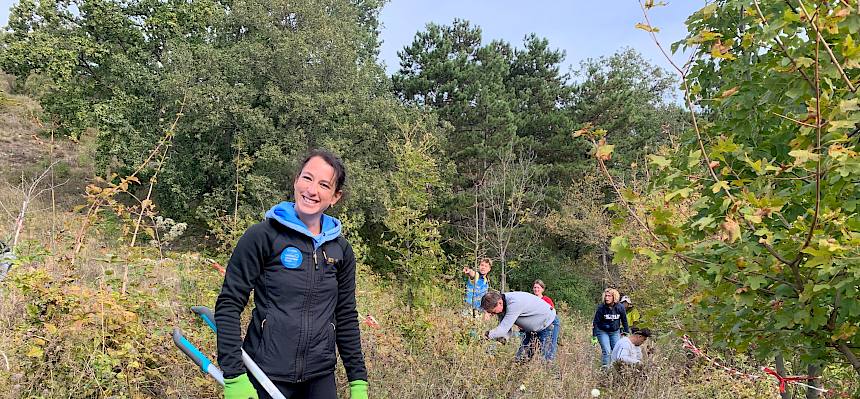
x,y
291,258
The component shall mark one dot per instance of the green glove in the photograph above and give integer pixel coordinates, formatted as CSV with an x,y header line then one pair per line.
x,y
594,341
358,389
240,388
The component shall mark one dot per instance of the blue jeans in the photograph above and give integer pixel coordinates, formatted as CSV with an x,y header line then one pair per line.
x,y
607,342
556,329
546,340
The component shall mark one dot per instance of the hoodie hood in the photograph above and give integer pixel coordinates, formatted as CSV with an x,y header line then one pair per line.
x,y
285,214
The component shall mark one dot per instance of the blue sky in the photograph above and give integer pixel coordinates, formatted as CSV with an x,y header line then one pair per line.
x,y
582,28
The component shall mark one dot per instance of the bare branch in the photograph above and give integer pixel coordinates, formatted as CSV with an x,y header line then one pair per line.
x,y
850,355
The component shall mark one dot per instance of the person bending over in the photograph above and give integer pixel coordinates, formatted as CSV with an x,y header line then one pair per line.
x,y
526,311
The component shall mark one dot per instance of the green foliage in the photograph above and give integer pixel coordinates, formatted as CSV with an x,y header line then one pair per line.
x,y
69,326
631,99
759,204
258,86
502,100
492,94
567,280
413,239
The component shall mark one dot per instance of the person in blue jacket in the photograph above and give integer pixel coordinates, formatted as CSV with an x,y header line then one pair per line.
x,y
302,273
608,320
477,283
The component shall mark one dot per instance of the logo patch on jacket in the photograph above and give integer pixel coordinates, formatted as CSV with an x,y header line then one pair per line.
x,y
291,258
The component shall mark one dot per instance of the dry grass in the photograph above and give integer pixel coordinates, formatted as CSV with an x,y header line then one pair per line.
x,y
451,362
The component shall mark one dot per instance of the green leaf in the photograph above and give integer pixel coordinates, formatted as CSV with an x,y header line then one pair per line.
x,y
708,10
649,253
756,282
662,162
682,193
703,223
694,158
621,248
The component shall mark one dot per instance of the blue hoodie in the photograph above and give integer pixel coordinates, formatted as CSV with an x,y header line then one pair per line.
x,y
285,214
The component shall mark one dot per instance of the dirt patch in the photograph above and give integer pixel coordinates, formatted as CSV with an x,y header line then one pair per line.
x,y
26,150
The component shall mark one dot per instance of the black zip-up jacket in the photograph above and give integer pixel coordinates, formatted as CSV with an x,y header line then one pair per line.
x,y
609,318
302,312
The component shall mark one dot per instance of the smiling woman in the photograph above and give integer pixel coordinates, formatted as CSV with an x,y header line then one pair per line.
x,y
318,187
303,276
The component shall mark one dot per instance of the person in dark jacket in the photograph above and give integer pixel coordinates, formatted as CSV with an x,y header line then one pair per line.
x,y
608,319
302,272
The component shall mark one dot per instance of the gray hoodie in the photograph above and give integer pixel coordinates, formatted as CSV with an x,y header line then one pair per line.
x,y
527,311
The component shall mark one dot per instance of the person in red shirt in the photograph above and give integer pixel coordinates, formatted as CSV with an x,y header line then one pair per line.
x,y
538,288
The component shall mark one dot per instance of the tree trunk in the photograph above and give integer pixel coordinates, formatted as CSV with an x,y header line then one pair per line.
x,y
812,371
504,274
780,368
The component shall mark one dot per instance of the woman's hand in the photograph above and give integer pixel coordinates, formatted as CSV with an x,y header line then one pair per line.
x,y
239,388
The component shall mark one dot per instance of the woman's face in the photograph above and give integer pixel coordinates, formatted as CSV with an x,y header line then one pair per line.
x,y
607,297
314,188
537,289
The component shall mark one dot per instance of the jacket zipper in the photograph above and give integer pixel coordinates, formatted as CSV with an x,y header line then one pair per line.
x,y
305,321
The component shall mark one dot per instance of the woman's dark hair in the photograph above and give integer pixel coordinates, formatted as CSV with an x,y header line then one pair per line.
x,y
333,161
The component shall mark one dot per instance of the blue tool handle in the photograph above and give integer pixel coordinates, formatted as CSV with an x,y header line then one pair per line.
x,y
191,351
207,315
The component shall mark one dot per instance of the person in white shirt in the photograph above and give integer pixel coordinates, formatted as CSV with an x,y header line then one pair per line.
x,y
628,350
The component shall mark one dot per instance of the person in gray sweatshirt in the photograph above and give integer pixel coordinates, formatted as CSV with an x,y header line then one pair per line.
x,y
528,312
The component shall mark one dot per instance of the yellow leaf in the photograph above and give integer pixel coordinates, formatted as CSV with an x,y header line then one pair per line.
x,y
730,231
729,92
720,185
604,151
803,156
647,28
719,50
35,352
